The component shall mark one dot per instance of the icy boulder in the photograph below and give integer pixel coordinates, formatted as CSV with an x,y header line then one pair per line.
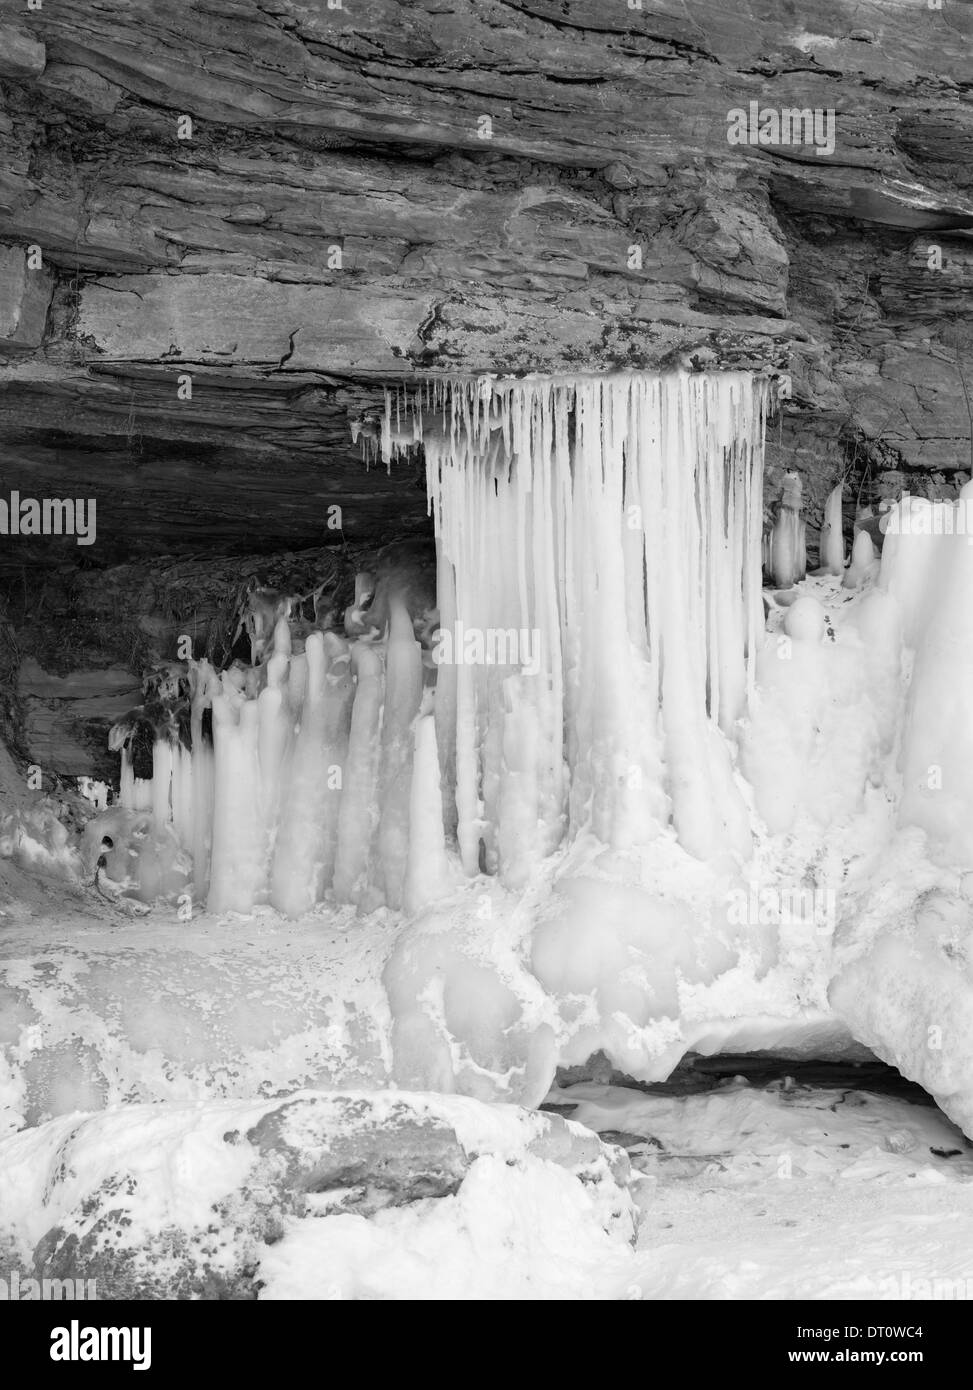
x,y
621,958
905,989
466,1015
232,1200
36,839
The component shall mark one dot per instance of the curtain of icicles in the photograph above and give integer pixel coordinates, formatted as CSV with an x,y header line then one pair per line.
x,y
599,596
617,520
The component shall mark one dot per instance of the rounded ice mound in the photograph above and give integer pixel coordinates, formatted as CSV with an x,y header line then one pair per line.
x,y
622,962
467,1017
805,620
145,861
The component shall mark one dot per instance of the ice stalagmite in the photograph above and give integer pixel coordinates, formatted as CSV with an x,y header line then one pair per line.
x,y
358,822
340,696
428,873
403,693
181,795
136,793
832,540
203,684
275,744
787,559
161,780
304,862
237,858
864,563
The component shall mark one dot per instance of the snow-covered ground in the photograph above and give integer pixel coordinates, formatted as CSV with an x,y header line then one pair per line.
x,y
790,1192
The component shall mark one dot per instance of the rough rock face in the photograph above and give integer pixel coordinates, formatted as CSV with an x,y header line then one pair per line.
x,y
183,1201
292,203
81,640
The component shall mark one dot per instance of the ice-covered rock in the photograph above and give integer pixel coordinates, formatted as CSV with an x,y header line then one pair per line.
x,y
192,1201
36,839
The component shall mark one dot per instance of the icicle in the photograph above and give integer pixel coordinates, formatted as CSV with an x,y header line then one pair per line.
x,y
536,533
445,700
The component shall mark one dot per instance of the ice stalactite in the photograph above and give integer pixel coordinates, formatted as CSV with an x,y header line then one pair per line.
x,y
600,538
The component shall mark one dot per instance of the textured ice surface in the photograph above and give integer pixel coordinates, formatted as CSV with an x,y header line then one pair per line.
x,y
95,1014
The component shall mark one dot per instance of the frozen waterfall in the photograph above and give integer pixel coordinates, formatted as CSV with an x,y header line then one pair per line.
x,y
599,605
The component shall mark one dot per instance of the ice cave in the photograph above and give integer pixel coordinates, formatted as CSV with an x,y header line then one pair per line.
x,y
486,792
